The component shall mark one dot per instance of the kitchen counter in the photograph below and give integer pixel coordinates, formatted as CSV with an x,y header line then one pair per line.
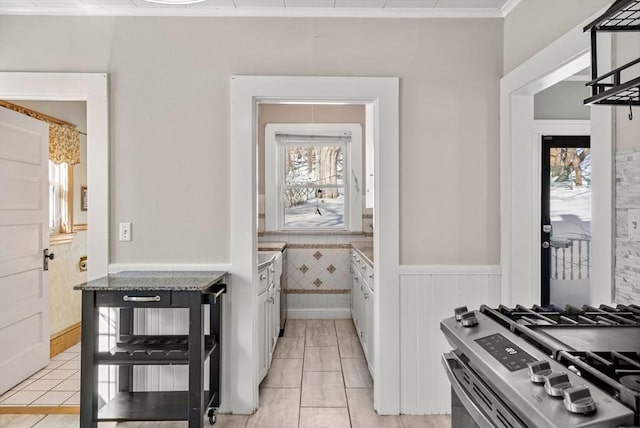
x,y
271,246
365,249
153,281
127,292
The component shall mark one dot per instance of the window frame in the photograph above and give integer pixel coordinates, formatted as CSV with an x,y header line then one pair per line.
x,y
63,232
275,174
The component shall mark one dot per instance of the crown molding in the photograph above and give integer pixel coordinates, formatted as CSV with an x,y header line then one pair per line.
x,y
271,12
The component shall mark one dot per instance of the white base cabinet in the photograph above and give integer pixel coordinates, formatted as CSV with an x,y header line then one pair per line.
x,y
268,308
362,295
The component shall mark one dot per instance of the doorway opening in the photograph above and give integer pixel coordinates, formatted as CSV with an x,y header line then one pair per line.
x,y
566,220
246,93
91,89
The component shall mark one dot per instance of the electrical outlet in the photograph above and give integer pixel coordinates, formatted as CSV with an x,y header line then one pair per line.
x,y
634,224
125,231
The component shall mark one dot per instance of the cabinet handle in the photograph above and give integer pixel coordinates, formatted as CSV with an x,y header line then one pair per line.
x,y
358,260
273,284
355,278
263,277
364,266
272,269
371,275
215,296
366,296
141,298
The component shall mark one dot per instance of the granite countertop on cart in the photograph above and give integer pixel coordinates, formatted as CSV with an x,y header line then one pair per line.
x,y
154,280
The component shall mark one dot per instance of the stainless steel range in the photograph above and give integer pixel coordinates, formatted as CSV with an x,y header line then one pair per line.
x,y
544,367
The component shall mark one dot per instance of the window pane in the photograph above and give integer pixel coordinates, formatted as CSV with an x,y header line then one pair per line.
x,y
311,207
313,165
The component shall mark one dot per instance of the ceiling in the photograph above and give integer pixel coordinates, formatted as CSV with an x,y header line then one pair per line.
x,y
273,8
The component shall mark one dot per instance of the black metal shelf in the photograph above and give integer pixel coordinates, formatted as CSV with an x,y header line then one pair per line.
x,y
623,15
149,406
611,88
152,350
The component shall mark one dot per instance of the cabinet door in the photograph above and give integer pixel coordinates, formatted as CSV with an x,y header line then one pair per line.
x,y
275,272
357,301
263,336
368,334
353,293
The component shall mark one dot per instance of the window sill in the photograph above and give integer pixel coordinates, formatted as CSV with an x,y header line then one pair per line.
x,y
61,239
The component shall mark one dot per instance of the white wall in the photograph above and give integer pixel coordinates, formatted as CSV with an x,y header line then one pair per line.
x,y
534,24
169,92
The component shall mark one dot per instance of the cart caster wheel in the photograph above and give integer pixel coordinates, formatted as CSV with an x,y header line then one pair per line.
x,y
213,417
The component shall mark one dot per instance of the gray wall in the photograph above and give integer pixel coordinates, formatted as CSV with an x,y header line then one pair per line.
x,y
534,24
564,100
169,95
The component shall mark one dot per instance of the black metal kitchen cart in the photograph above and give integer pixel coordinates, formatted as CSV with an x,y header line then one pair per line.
x,y
127,292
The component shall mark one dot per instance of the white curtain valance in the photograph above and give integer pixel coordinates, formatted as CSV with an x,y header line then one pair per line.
x,y
64,138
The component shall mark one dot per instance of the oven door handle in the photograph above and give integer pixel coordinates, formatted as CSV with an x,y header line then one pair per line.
x,y
448,360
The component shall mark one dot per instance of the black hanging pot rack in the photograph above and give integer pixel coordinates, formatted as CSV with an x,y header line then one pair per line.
x,y
612,88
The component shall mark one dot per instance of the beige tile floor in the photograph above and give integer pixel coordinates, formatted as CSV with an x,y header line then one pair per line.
x,y
57,385
318,379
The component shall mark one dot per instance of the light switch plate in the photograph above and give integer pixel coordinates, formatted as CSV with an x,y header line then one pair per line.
x,y
634,224
125,231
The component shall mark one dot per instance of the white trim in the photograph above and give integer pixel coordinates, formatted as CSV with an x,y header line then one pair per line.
x,y
381,92
520,172
272,12
508,7
274,175
121,267
92,88
319,314
450,270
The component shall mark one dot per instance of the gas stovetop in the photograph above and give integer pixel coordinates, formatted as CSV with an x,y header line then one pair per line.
x,y
600,344
530,356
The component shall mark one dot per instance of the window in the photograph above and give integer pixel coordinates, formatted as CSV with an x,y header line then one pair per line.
x,y
313,177
60,202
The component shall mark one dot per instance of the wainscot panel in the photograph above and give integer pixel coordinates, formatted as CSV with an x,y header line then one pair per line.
x,y
427,295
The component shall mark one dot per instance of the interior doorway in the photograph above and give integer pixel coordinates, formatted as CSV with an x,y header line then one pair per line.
x,y
383,94
565,220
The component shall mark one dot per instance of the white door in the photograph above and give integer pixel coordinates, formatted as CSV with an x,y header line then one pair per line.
x,y
24,235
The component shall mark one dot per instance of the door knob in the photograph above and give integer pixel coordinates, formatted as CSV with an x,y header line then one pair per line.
x,y
47,257
546,244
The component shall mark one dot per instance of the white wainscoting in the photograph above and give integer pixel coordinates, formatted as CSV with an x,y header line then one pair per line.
x,y
427,295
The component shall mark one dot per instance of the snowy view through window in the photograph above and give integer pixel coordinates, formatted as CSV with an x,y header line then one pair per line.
x,y
570,209
314,191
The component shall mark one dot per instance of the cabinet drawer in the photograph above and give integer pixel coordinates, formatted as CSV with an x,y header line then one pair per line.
x,y
134,299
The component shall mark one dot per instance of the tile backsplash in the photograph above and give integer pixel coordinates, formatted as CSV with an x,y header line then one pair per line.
x,y
627,264
318,275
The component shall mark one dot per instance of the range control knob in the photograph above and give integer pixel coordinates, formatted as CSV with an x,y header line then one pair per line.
x,y
459,311
538,370
469,319
578,400
556,383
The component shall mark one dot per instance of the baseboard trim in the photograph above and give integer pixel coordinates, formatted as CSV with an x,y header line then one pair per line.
x,y
319,314
65,339
39,410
